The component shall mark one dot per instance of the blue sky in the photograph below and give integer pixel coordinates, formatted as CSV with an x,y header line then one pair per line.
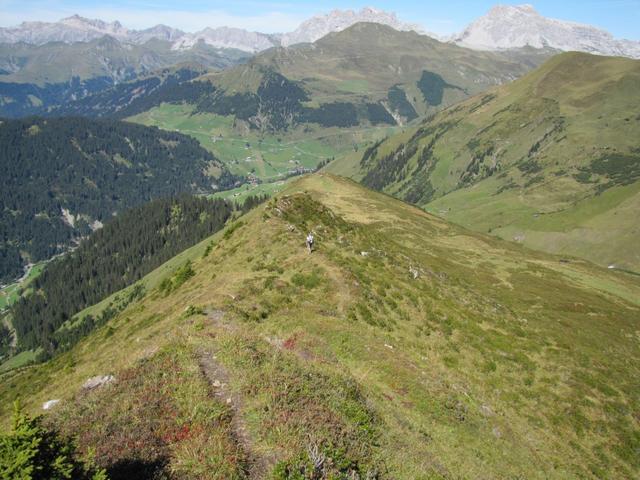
x,y
620,17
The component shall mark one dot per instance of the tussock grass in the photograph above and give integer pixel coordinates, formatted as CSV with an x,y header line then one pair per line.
x,y
438,353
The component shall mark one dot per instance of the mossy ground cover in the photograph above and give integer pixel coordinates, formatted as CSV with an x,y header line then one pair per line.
x,y
402,347
161,419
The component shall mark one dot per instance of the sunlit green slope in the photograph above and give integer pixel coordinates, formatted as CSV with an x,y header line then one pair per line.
x,y
403,347
288,109
551,160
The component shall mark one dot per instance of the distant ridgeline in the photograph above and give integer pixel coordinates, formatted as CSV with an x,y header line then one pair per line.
x,y
110,259
277,104
130,98
36,79
63,177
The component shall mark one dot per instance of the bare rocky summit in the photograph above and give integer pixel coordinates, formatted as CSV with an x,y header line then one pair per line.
x,y
506,27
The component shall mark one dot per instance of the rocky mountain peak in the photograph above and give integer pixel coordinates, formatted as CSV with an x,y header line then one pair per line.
x,y
337,20
516,26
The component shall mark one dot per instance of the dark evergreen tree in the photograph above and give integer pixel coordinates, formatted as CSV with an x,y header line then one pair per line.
x,y
32,451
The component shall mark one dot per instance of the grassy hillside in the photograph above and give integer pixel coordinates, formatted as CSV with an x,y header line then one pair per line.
x,y
366,74
288,109
403,347
551,160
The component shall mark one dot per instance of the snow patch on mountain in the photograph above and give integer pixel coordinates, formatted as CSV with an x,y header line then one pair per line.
x,y
506,27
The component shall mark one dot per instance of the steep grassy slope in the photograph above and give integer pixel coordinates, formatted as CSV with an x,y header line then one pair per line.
x,y
403,347
551,160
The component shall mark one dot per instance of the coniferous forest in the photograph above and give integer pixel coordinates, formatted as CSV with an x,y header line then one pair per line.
x,y
63,177
127,248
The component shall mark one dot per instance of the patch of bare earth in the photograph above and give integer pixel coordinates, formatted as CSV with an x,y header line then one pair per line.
x,y
218,377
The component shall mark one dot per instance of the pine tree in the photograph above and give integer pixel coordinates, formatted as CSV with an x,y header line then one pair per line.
x,y
32,452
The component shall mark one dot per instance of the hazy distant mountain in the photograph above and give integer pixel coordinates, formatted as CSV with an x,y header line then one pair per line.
x,y
226,37
508,26
159,32
35,78
79,29
338,20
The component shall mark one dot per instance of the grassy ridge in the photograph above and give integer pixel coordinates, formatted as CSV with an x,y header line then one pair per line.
x,y
403,347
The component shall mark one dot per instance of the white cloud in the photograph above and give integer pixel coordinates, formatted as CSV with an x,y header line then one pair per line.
x,y
189,21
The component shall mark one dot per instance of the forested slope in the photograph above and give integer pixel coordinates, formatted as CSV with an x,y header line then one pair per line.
x,y
110,259
63,177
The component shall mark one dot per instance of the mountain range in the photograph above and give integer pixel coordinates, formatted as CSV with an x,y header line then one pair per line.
x,y
367,74
78,29
44,65
503,27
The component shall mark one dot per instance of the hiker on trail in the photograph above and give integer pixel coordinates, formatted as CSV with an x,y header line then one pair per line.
x,y
310,242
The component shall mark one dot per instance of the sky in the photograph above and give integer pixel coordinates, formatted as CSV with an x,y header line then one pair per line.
x,y
620,17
